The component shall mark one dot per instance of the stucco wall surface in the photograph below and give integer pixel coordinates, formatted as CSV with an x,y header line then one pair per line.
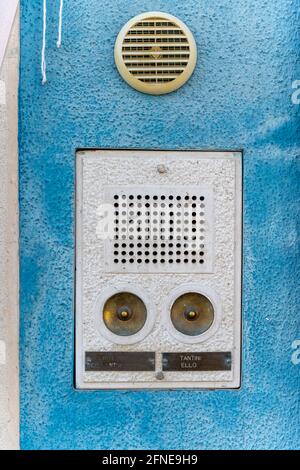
x,y
238,98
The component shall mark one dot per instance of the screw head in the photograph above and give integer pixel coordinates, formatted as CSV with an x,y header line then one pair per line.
x,y
162,169
160,375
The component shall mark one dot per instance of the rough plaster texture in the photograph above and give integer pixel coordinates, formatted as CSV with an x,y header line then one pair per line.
x,y
9,322
218,172
238,97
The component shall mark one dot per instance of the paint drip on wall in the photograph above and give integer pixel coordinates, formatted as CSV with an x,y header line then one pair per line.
x,y
44,43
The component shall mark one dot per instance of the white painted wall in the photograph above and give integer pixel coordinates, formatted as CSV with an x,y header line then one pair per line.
x,y
7,14
9,262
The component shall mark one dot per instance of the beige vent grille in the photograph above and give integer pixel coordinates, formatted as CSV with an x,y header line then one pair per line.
x,y
155,53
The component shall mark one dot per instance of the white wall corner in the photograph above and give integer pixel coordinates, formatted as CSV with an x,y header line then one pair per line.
x,y
9,267
8,11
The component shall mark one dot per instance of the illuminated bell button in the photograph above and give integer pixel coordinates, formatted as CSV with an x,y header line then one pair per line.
x,y
124,314
192,314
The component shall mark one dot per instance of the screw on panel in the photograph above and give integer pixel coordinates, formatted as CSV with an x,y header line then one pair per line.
x,y
159,375
162,170
228,362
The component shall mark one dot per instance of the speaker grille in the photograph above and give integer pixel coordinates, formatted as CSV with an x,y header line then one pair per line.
x,y
159,230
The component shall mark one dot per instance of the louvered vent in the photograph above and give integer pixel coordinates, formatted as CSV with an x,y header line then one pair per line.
x,y
159,230
155,53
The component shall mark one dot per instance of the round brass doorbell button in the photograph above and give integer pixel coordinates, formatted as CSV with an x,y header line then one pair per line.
x,y
124,314
192,314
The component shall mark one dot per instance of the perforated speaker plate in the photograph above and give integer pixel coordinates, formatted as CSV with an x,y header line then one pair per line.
x,y
159,229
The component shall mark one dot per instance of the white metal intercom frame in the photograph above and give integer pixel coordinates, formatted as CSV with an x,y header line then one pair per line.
x,y
235,382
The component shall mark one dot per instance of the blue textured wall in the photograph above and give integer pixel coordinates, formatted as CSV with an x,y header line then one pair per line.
x,y
238,97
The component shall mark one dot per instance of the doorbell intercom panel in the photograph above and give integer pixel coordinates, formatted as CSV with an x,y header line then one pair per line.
x,y
158,269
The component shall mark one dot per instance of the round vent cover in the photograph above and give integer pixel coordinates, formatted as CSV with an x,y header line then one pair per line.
x,y
155,53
